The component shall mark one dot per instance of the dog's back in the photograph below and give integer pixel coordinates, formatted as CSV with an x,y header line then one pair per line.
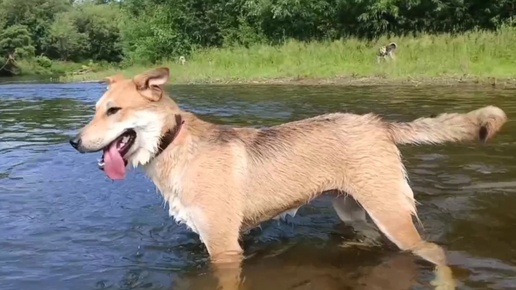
x,y
387,49
327,152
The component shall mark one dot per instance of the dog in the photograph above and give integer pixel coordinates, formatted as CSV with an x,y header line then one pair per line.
x,y
221,180
182,60
387,52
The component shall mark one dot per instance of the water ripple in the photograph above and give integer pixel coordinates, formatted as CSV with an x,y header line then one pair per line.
x,y
65,226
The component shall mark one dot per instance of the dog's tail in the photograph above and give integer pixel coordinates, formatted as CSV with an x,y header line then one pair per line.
x,y
392,45
481,124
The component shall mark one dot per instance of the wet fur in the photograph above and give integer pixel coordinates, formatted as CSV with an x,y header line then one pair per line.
x,y
221,180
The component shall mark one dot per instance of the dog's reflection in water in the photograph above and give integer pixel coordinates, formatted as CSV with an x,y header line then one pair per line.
x,y
311,267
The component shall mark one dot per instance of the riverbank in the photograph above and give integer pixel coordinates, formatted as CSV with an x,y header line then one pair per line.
x,y
474,57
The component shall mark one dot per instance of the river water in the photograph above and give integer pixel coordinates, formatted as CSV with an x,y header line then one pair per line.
x,y
64,225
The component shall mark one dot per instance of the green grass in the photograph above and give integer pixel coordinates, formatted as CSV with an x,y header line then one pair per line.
x,y
33,68
474,55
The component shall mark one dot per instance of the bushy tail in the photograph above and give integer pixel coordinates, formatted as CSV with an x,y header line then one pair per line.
x,y
481,124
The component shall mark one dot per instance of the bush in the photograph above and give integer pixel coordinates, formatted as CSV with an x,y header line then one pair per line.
x,y
43,61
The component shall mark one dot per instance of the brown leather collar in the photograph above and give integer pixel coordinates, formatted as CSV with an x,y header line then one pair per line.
x,y
170,135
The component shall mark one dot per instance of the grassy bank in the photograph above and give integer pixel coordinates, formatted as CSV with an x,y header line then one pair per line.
x,y
44,67
474,56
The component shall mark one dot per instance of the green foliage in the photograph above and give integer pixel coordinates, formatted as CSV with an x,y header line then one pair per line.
x,y
148,31
15,41
60,30
445,58
169,28
64,41
88,31
44,62
36,15
100,25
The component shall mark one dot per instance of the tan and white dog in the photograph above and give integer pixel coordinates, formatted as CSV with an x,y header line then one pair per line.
x,y
221,180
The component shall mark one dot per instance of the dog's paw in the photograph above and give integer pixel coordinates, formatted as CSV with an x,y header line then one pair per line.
x,y
443,279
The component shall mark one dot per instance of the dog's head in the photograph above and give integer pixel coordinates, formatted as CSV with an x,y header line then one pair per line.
x,y
130,120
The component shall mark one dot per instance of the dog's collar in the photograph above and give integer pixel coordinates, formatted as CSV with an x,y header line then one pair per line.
x,y
170,135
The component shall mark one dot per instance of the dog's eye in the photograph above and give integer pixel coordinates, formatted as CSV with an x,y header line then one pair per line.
x,y
113,110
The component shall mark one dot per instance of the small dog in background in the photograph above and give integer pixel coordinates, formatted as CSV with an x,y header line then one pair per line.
x,y
387,51
182,60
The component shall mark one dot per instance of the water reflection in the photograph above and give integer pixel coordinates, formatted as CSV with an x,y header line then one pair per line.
x,y
65,226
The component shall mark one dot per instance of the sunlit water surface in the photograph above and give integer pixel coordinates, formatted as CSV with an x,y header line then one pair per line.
x,y
64,225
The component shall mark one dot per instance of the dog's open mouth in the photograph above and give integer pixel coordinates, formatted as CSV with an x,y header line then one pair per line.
x,y
113,162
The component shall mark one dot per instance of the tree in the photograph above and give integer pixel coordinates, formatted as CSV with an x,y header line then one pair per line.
x,y
36,15
15,42
100,24
64,40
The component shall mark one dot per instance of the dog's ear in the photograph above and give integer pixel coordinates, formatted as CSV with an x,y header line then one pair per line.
x,y
150,83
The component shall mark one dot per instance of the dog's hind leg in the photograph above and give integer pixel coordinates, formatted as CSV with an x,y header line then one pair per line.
x,y
389,206
348,209
352,214
391,55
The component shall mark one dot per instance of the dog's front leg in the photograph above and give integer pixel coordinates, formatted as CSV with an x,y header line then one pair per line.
x,y
219,230
228,275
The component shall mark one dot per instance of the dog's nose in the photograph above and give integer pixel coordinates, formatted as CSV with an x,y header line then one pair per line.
x,y
76,142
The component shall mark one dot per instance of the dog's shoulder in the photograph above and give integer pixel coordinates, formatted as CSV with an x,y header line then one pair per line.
x,y
224,134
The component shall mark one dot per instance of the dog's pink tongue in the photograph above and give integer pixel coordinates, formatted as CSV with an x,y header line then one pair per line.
x,y
114,164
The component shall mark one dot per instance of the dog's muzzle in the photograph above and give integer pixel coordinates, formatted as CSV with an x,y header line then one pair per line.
x,y
76,143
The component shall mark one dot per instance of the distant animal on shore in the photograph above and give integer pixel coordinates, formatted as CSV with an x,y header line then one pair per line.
x,y
182,60
387,52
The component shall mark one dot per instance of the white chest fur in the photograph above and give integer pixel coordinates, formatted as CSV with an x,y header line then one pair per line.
x,y
171,189
180,212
